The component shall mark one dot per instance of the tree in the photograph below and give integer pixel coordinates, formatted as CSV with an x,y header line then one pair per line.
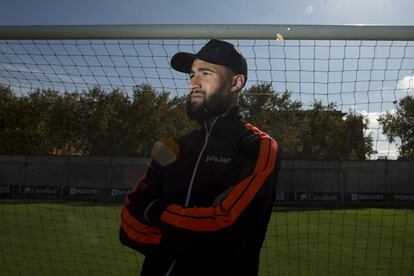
x,y
400,126
321,133
65,123
176,121
112,123
153,116
10,126
29,123
357,144
330,135
104,122
274,113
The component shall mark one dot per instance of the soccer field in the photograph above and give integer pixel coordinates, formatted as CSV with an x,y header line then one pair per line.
x,y
82,239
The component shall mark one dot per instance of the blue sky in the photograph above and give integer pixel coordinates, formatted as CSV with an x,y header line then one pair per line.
x,y
57,12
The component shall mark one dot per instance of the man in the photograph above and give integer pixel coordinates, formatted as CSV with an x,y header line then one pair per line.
x,y
205,202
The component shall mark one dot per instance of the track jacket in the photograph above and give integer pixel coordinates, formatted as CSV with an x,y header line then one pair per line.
x,y
207,212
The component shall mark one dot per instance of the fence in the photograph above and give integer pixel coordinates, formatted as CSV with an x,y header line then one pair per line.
x,y
110,178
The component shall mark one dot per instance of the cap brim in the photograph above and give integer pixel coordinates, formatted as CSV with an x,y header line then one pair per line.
x,y
182,62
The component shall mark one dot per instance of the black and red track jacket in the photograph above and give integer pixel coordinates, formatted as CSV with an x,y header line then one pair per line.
x,y
215,203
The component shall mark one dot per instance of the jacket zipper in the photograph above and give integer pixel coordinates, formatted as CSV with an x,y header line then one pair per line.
x,y
187,200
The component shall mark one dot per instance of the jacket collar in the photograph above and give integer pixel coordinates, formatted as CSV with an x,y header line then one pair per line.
x,y
225,124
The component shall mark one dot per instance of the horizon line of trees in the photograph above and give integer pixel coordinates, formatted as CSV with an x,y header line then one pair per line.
x,y
100,123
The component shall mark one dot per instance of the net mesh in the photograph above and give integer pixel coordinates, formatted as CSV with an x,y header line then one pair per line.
x,y
77,236
81,238
367,77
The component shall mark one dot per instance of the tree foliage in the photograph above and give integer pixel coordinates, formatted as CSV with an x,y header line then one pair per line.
x,y
95,122
274,113
399,127
113,123
320,133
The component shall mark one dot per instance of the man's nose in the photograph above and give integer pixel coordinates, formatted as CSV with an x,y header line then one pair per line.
x,y
194,83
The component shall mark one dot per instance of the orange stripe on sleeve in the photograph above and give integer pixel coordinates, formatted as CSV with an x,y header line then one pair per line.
x,y
260,165
138,231
214,218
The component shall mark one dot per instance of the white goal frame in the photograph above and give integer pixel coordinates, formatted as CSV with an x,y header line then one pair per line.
x,y
182,31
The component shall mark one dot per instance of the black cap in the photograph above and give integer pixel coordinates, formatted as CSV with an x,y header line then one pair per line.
x,y
216,52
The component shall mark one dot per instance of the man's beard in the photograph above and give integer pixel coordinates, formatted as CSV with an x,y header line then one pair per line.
x,y
216,104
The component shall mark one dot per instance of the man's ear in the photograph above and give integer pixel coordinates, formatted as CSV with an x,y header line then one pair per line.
x,y
238,83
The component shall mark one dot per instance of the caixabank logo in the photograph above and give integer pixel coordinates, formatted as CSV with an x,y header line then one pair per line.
x,y
39,190
318,196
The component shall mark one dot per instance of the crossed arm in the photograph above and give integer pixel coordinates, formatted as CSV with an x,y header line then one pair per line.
x,y
147,220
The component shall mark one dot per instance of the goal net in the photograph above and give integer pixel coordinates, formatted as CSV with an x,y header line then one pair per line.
x,y
366,77
346,71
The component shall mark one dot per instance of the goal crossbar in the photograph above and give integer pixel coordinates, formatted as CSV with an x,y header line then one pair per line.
x,y
182,31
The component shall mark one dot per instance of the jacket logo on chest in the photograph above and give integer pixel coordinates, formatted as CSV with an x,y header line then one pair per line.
x,y
217,159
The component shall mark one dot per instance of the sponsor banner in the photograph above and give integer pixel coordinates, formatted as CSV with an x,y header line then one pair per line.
x,y
115,192
9,190
281,196
403,197
284,196
368,197
318,196
79,191
4,189
39,190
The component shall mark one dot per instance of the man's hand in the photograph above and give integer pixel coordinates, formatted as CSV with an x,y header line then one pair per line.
x,y
165,152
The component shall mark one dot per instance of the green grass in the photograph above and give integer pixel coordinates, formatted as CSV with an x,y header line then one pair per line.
x,y
82,239
63,239
340,242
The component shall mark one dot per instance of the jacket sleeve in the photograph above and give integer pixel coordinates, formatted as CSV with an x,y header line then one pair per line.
x,y
135,232
232,215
